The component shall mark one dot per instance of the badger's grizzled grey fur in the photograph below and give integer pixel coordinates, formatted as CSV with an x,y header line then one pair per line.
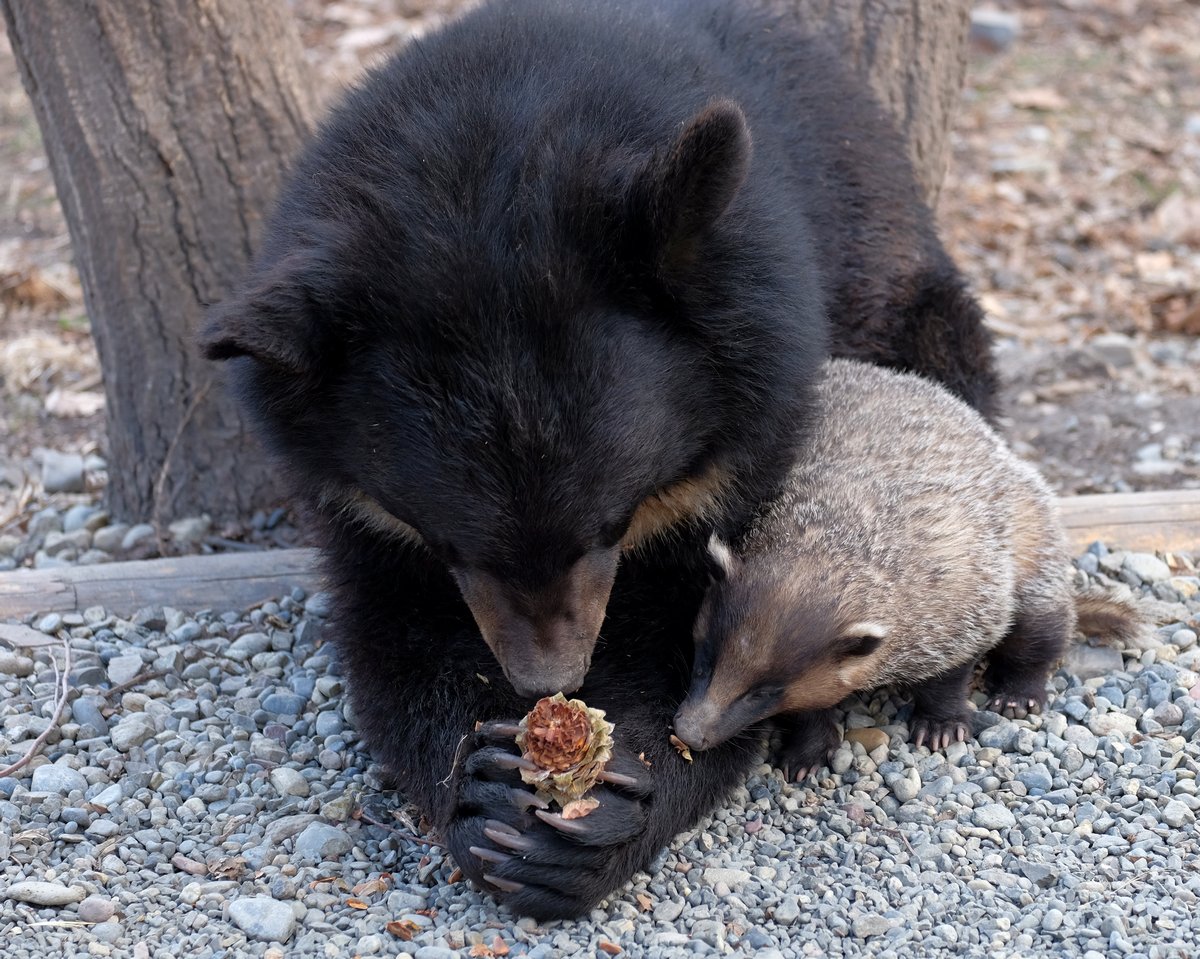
x,y
908,543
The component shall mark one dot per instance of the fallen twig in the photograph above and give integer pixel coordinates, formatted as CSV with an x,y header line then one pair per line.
x,y
135,681
62,681
371,820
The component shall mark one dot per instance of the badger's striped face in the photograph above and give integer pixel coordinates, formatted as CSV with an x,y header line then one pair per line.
x,y
764,647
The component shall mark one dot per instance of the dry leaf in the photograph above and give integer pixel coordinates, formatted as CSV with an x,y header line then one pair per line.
x,y
579,808
369,887
645,761
31,290
479,949
1038,98
336,880
644,901
431,913
455,876
681,747
228,867
357,904
403,929
610,947
499,947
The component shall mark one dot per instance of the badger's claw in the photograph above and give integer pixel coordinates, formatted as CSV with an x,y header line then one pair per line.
x,y
938,734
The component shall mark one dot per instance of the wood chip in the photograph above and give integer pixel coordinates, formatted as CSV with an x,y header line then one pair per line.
x,y
357,904
1038,98
499,947
190,866
610,947
681,747
644,901
369,887
403,929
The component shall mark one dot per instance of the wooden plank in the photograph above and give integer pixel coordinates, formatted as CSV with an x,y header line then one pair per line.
x,y
1163,521
222,581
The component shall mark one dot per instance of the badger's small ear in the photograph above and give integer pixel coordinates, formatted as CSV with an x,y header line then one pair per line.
x,y
862,639
271,318
693,185
720,559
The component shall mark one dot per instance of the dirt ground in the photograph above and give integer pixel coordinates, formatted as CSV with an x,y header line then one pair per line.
x,y
1072,202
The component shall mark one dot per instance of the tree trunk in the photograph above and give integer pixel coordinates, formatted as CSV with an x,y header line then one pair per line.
x,y
168,125
914,53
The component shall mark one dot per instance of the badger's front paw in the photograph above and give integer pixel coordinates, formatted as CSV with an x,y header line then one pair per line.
x,y
809,742
508,841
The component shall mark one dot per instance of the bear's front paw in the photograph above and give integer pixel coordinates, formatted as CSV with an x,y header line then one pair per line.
x,y
507,840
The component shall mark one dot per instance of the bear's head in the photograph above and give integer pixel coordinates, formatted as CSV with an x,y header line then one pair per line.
x,y
523,355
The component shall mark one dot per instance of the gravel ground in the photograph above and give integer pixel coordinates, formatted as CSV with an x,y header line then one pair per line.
x,y
223,806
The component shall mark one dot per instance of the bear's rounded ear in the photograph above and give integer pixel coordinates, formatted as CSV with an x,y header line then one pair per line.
x,y
721,562
697,180
271,318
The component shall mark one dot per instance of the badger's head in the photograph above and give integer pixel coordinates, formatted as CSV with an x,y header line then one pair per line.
x,y
771,641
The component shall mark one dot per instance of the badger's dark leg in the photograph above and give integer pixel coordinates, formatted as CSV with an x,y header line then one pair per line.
x,y
809,741
1017,669
941,716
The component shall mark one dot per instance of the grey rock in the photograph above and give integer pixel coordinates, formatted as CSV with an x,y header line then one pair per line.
x,y
319,842
1147,567
434,952
993,816
43,893
788,910
12,664
77,517
1109,724
57,778
135,536
97,909
284,704
1039,874
995,29
190,530
866,926
50,623
62,472
668,910
108,796
121,669
289,782
250,644
1115,349
132,731
108,538
264,918
1177,815
1091,662
109,932
733,878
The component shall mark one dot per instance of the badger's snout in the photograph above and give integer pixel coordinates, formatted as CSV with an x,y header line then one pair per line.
x,y
696,724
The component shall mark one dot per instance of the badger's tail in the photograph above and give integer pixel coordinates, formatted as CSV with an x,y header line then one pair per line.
x,y
1114,617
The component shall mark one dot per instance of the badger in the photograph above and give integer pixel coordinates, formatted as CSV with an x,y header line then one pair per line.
x,y
908,544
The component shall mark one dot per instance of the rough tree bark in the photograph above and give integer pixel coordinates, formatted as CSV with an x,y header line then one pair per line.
x,y
168,125
914,53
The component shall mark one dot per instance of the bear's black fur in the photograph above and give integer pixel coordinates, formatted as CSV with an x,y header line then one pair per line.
x,y
554,278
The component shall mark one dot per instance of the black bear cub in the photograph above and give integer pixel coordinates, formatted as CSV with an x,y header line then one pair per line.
x,y
540,309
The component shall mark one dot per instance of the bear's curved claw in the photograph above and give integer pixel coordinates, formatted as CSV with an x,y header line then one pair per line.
x,y
618,779
504,885
523,799
509,761
489,855
504,835
572,827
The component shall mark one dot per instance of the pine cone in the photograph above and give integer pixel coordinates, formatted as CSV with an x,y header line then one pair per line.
x,y
569,742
